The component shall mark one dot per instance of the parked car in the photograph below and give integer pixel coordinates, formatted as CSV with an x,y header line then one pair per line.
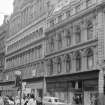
x,y
52,101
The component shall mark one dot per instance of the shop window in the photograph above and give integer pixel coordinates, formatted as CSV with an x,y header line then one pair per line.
x,y
77,98
77,85
91,92
59,65
49,100
78,34
68,63
78,62
90,59
89,30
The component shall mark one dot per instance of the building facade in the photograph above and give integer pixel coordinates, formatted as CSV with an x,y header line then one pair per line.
x,y
75,51
25,45
3,34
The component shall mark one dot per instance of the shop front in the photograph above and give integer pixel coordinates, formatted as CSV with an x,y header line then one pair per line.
x,y
8,89
76,89
34,86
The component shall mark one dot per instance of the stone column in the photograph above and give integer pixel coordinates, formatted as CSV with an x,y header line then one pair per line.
x,y
101,87
45,75
73,35
101,37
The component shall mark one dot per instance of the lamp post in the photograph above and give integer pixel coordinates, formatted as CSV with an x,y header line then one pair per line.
x,y
18,83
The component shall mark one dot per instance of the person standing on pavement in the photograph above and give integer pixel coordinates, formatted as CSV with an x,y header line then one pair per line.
x,y
1,100
32,100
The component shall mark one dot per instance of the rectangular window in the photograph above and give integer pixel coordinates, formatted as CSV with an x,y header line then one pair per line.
x,y
77,8
78,34
59,40
78,37
59,18
89,33
68,38
68,14
88,3
52,43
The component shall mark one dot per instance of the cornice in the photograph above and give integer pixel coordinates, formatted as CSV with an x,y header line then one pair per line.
x,y
74,17
27,27
72,48
27,47
24,65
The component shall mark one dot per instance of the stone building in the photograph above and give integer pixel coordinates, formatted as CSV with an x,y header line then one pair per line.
x,y
25,45
75,51
3,34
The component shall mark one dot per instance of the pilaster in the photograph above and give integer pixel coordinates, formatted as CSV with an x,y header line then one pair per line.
x,y
101,87
100,29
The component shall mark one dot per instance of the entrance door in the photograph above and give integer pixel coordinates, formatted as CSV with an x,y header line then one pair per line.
x,y
39,93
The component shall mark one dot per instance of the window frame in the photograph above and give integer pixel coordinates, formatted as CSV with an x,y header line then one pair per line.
x,y
78,34
90,56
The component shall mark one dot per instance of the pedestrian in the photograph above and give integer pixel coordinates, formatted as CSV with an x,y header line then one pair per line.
x,y
1,100
32,100
25,100
39,100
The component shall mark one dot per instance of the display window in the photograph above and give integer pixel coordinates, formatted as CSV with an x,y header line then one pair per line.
x,y
91,92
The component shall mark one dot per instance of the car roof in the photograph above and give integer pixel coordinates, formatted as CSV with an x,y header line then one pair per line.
x,y
50,97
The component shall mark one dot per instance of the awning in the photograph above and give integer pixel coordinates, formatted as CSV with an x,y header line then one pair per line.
x,y
92,74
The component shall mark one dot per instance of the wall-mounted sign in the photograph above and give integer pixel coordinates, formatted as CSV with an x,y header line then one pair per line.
x,y
34,73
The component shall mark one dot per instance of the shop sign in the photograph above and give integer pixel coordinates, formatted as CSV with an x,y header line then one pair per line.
x,y
23,85
34,73
27,90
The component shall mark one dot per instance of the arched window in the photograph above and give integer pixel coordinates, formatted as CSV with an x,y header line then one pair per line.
x,y
90,58
78,34
40,31
60,40
89,30
78,62
68,63
52,43
59,65
68,37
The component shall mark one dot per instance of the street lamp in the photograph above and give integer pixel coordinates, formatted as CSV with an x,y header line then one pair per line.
x,y
18,82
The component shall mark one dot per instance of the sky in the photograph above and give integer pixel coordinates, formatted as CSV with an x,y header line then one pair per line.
x,y
6,8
